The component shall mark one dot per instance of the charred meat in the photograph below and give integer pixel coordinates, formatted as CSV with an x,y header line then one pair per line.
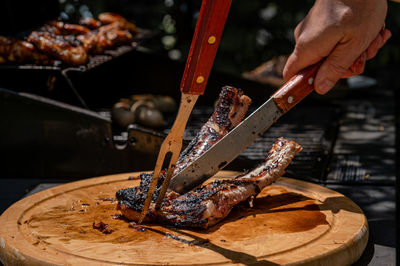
x,y
90,23
230,110
69,43
65,48
123,23
13,50
105,37
68,29
207,205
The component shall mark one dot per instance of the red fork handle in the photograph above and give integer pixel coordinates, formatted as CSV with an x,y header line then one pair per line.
x,y
205,42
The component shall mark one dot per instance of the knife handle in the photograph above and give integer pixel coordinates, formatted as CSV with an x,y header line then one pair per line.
x,y
205,42
296,89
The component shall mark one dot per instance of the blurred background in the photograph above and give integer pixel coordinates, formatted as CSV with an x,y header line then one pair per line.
x,y
256,31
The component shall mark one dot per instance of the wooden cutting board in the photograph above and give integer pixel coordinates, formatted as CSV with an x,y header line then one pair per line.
x,y
292,222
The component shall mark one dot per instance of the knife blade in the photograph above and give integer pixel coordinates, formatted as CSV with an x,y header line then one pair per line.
x,y
244,134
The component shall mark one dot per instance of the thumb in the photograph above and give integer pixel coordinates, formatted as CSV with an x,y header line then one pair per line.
x,y
334,67
298,60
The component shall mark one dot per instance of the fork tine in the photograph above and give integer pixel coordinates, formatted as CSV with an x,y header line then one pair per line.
x,y
170,171
173,144
153,183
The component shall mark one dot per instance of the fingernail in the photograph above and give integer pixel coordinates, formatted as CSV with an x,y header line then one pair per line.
x,y
324,86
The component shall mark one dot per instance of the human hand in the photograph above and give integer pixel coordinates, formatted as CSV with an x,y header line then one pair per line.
x,y
342,33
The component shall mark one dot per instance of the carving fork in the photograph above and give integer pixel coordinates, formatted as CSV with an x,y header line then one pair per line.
x,y
206,38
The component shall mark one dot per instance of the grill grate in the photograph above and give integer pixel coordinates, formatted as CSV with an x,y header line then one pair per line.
x,y
97,60
94,60
365,150
72,74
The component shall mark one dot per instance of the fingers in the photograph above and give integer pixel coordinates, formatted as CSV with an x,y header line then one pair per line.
x,y
312,46
377,43
297,61
358,66
339,64
290,67
386,34
334,67
373,48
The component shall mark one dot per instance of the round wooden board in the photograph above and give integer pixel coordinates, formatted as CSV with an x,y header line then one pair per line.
x,y
292,222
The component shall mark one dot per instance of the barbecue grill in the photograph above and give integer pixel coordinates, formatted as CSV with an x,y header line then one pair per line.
x,y
56,125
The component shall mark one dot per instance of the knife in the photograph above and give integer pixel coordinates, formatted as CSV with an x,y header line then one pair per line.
x,y
244,134
206,38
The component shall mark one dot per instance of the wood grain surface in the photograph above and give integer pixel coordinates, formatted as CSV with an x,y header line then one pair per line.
x,y
292,222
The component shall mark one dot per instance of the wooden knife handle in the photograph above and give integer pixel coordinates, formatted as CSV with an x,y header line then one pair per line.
x,y
205,42
296,89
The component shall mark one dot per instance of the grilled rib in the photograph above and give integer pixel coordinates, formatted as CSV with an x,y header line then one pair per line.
x,y
90,23
105,37
67,28
65,48
230,110
123,23
5,45
69,43
206,206
13,50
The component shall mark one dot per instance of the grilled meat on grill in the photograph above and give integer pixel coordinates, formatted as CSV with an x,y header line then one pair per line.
x,y
207,205
5,45
25,51
64,48
50,29
13,50
105,37
90,23
123,23
68,29
69,43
